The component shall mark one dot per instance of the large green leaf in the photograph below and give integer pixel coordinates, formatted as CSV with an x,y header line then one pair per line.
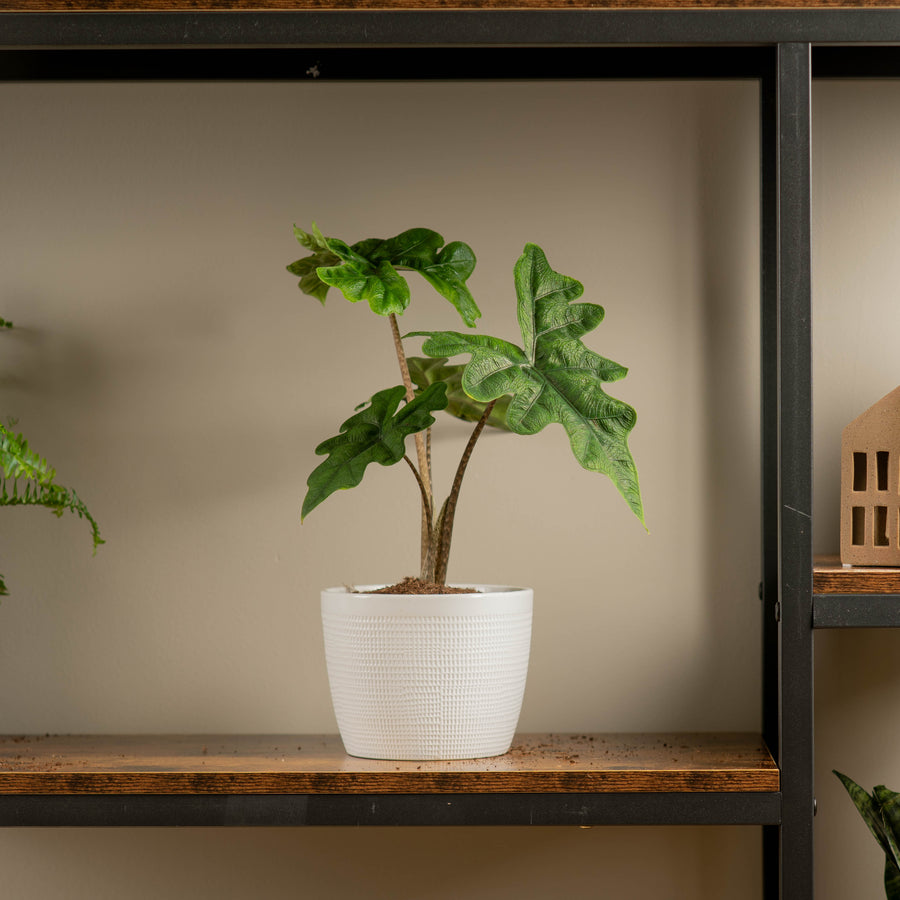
x,y
554,377
377,433
370,270
425,372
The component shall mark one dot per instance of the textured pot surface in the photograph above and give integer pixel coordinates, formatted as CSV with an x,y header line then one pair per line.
x,y
436,676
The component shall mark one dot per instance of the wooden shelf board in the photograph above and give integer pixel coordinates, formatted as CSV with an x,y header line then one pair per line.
x,y
830,577
317,764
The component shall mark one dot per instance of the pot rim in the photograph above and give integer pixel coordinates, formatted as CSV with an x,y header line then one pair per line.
x,y
491,600
366,590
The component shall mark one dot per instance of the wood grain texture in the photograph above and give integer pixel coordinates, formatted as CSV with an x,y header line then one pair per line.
x,y
317,764
830,577
76,6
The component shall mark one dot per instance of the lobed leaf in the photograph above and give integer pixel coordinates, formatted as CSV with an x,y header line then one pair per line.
x,y
425,372
368,270
554,377
377,433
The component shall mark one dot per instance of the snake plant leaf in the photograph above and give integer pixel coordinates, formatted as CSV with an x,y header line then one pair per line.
x,y
891,879
868,809
881,813
425,372
889,804
554,377
377,433
370,269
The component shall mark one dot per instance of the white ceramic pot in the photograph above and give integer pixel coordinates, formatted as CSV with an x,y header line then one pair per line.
x,y
427,676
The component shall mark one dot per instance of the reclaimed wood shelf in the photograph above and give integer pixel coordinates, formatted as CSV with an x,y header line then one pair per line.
x,y
855,596
308,779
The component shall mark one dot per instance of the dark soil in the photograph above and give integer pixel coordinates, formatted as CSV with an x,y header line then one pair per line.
x,y
411,585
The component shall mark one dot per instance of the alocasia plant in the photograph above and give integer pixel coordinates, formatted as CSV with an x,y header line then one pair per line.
x,y
28,480
551,378
881,812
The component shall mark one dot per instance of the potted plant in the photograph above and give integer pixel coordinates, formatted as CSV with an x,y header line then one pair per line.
x,y
881,812
397,656
28,480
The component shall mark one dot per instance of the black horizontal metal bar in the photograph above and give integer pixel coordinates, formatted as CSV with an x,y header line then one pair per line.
x,y
856,611
367,63
856,62
447,27
391,809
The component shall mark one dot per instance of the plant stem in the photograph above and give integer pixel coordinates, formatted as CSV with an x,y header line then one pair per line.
x,y
445,520
426,500
424,473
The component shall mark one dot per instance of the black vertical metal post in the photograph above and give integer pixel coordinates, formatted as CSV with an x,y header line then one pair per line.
x,y
768,585
795,749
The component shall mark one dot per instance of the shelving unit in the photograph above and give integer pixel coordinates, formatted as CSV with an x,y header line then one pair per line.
x,y
589,779
309,780
858,597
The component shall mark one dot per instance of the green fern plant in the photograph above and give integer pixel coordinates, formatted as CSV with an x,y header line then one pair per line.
x,y
28,480
551,378
880,811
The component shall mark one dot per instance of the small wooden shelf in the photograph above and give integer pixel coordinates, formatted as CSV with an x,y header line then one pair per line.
x,y
830,577
855,596
317,764
308,779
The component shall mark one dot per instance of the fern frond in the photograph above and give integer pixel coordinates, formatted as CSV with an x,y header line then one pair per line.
x,y
55,497
27,480
18,460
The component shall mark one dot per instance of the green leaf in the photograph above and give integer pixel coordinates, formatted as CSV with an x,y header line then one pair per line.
x,y
28,480
554,377
889,806
375,434
380,285
425,372
368,270
306,269
869,809
18,461
891,879
446,270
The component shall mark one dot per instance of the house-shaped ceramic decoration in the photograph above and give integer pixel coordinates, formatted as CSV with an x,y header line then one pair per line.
x,y
870,486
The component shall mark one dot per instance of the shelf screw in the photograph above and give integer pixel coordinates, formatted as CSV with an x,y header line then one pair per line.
x,y
760,591
815,806
778,611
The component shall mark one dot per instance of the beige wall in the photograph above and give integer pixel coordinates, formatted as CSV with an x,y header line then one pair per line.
x,y
856,322
168,366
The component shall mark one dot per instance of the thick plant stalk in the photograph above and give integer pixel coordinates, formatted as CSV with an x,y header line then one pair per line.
x,y
424,472
444,525
426,572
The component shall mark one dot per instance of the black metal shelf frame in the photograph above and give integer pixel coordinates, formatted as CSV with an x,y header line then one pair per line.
x,y
420,810
856,611
774,47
